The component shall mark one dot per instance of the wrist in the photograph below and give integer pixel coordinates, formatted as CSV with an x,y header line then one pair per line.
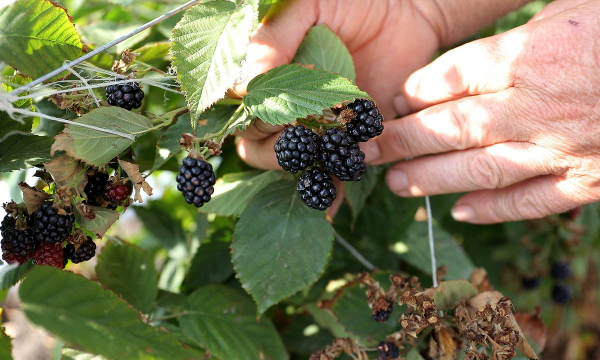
x,y
453,20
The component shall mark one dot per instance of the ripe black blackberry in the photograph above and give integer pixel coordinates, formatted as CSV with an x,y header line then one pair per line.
x,y
387,351
561,294
340,155
296,148
530,283
195,180
127,96
86,251
316,189
49,226
50,254
382,310
17,245
561,270
94,186
367,121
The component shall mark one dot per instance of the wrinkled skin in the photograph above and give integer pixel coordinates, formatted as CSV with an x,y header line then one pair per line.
x,y
512,119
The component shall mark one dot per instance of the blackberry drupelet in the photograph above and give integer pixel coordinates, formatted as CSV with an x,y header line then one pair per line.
x,y
116,193
49,226
50,254
561,270
94,187
17,245
316,189
296,148
387,351
127,96
382,309
561,294
340,155
86,251
195,180
530,283
367,121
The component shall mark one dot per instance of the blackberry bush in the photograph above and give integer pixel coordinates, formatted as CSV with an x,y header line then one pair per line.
x,y
50,226
367,121
296,148
127,96
316,189
340,155
195,180
85,252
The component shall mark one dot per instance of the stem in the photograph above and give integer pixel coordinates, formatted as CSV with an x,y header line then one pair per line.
x,y
229,101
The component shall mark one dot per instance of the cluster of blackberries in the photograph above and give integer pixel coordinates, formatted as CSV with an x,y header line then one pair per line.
x,y
100,191
336,152
387,351
561,292
196,180
40,237
127,96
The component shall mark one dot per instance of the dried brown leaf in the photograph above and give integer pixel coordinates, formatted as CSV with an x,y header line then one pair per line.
x,y
32,197
66,171
139,183
447,347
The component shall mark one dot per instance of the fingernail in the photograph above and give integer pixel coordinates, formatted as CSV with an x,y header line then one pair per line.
x,y
397,181
463,213
401,105
371,150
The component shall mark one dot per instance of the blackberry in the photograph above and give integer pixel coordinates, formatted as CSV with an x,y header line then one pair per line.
x,y
86,251
561,294
387,351
50,254
340,155
530,283
382,310
367,121
8,224
116,193
127,96
49,226
94,187
561,270
296,148
316,189
195,180
18,245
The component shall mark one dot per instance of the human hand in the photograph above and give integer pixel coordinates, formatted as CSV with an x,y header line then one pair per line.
x,y
512,119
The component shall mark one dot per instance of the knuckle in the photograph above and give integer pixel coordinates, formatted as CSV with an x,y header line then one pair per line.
x,y
527,203
399,144
484,172
457,136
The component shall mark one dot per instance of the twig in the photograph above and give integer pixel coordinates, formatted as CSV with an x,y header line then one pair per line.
x,y
354,252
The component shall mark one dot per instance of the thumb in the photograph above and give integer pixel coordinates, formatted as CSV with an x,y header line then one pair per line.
x,y
277,39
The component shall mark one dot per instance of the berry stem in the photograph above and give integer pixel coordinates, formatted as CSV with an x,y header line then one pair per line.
x,y
230,101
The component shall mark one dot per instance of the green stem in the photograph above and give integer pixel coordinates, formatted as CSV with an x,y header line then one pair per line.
x,y
230,101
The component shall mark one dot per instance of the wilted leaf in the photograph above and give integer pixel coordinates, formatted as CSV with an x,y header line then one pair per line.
x,y
449,293
533,327
447,348
66,170
32,197
101,222
139,182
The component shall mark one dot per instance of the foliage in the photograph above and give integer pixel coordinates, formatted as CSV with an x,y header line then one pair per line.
x,y
255,274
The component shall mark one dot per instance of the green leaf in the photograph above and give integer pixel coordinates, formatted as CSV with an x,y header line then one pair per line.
x,y
168,144
233,192
6,123
357,192
129,271
352,311
222,320
161,224
97,147
153,51
209,44
223,119
210,265
292,91
102,221
11,274
449,293
37,36
447,251
94,320
19,150
414,354
325,50
282,250
5,346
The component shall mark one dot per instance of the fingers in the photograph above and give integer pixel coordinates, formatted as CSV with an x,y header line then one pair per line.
x,y
276,41
340,190
480,67
259,130
555,7
259,153
492,167
532,199
457,125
